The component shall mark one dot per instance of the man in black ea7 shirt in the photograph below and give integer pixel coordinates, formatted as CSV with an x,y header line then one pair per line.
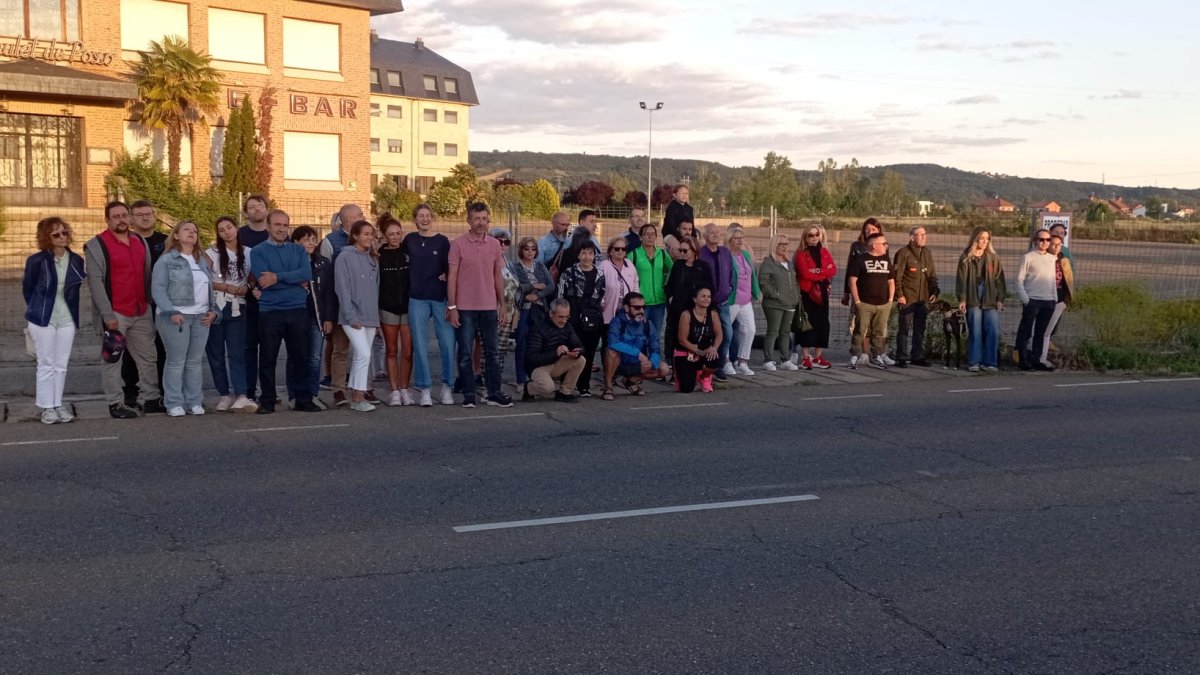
x,y
872,287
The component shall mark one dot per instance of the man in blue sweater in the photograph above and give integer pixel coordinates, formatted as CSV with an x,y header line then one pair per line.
x,y
282,273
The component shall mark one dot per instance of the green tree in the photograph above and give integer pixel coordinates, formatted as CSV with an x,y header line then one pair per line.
x,y
702,191
446,198
177,87
1098,212
889,196
506,196
389,197
620,182
776,185
240,152
540,200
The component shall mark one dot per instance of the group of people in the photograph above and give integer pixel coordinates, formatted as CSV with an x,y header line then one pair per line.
x,y
682,311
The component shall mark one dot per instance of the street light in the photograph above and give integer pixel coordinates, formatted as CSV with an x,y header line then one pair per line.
x,y
650,154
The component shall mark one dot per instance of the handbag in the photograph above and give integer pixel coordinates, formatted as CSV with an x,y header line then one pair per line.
x,y
800,322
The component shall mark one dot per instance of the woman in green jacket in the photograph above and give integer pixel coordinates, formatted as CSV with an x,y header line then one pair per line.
x,y
653,266
981,290
780,295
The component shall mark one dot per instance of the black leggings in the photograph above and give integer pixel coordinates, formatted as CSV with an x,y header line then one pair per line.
x,y
687,372
590,342
818,316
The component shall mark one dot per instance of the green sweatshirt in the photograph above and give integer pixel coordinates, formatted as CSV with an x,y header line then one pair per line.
x,y
652,274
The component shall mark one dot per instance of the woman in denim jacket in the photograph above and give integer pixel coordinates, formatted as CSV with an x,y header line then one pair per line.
x,y
182,289
51,284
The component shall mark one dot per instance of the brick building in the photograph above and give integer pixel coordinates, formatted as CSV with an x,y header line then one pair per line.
x,y
65,111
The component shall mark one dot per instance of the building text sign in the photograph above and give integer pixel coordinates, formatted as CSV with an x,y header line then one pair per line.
x,y
53,51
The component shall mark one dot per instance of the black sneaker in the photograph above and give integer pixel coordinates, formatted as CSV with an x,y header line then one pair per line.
x,y
265,409
527,397
500,400
719,376
307,406
121,411
326,383
923,363
585,393
901,363
566,398
468,402
1043,367
154,405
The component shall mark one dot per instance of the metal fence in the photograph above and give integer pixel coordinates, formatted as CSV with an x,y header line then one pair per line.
x,y
1166,270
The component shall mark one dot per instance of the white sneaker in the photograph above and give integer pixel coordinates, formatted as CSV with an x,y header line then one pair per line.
x,y
853,363
224,404
196,410
794,359
320,403
242,405
362,406
64,414
769,366
426,398
878,362
789,365
394,400
49,416
291,404
887,360
743,368
175,412
864,359
406,398
728,369
447,395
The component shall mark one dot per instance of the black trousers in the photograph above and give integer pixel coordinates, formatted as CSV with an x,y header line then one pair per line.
x,y
818,316
1035,316
252,323
687,371
590,342
912,319
274,328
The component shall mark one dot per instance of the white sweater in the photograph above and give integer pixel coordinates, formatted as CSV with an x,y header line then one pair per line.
x,y
1036,280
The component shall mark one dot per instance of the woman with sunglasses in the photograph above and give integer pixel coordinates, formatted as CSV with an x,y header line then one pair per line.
x,y
535,289
815,271
1037,288
53,277
688,274
780,295
620,277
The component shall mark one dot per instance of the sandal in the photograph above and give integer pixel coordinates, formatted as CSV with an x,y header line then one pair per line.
x,y
635,388
607,394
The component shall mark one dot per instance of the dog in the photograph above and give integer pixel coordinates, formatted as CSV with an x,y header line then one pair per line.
x,y
953,327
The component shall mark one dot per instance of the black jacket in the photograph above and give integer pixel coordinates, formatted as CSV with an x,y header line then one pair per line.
x,y
393,279
676,213
541,346
322,300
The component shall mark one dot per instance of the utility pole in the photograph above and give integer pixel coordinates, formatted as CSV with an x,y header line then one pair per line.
x,y
650,153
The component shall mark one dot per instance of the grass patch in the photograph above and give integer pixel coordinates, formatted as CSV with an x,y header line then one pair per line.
x,y
1126,329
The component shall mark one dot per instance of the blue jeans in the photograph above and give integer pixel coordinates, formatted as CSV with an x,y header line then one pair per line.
x,y
228,337
420,314
486,322
726,332
657,316
183,381
983,339
528,316
311,386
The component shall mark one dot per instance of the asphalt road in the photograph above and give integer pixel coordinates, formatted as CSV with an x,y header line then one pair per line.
x,y
1018,527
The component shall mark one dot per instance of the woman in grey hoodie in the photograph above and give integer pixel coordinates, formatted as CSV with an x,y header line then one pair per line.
x,y
356,281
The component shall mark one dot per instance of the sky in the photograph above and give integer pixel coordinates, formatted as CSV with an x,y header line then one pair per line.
x,y
1074,90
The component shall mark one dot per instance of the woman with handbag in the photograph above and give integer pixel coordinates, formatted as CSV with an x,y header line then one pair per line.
x,y
535,289
582,285
780,295
620,278
815,271
53,277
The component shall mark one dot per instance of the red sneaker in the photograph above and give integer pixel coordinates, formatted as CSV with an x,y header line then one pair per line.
x,y
806,363
821,363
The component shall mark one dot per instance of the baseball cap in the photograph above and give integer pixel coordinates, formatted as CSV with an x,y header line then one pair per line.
x,y
113,347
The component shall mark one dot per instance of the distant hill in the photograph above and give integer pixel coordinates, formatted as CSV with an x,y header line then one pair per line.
x,y
925,181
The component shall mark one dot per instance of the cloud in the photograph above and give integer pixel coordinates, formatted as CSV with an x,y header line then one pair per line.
x,y
789,69
587,22
1066,116
943,46
968,141
1120,95
1029,44
978,99
815,24
1021,121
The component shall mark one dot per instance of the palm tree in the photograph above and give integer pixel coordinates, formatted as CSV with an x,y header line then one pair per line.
x,y
176,87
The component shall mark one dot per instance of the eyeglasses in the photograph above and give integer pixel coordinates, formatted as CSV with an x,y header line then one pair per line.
x,y
638,308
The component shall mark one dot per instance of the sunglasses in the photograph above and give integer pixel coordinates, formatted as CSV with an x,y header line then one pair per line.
x,y
810,235
618,248
1043,241
638,308
505,242
61,233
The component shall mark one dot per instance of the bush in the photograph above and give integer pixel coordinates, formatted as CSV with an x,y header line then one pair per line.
x,y
388,197
137,177
1128,330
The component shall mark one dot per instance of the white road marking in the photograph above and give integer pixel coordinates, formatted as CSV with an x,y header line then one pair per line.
x,y
671,407
1172,379
632,514
838,398
311,426
493,417
61,440
962,391
1099,384
930,474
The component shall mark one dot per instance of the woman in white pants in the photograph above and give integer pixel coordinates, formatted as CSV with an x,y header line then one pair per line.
x,y
356,282
51,285
741,301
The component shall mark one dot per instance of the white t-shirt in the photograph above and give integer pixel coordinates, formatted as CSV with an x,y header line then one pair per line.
x,y
200,284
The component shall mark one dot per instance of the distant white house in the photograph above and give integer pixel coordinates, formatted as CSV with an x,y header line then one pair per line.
x,y
1138,211
924,207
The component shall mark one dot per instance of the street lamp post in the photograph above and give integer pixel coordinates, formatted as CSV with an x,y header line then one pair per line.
x,y
650,154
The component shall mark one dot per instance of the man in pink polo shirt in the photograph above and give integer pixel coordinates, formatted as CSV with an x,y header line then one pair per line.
x,y
475,301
